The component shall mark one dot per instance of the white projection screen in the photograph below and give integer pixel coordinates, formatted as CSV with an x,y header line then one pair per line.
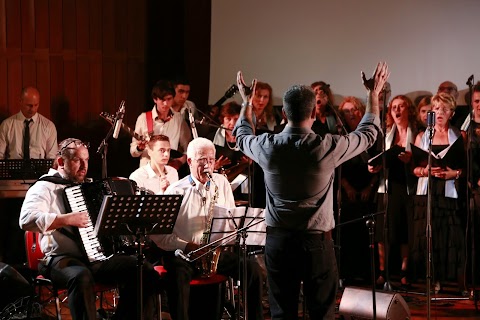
x,y
291,42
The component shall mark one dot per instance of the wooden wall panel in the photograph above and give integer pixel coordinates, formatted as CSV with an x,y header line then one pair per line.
x,y
82,27
69,24
108,27
56,26
70,87
41,24
108,83
28,25
85,56
83,88
95,24
43,85
29,71
13,26
14,81
3,89
3,26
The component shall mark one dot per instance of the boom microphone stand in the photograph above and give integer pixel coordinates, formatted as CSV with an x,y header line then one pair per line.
x,y
386,248
431,132
469,179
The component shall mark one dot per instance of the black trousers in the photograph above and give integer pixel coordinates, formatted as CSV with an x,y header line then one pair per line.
x,y
181,272
79,279
293,256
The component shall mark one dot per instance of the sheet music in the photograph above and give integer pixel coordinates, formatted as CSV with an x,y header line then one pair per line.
x,y
238,181
227,220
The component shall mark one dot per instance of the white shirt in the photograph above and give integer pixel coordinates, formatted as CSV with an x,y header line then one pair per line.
x,y
176,129
193,213
43,137
43,202
184,109
146,178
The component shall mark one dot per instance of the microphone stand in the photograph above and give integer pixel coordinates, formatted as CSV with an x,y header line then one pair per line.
x,y
469,179
370,223
386,249
428,230
103,148
341,131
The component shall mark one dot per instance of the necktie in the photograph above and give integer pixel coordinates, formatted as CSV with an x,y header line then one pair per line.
x,y
26,140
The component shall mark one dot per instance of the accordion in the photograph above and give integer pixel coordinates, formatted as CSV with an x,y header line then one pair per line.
x,y
89,197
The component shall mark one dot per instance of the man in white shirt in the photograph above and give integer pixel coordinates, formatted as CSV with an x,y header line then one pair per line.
x,y
156,175
42,132
66,262
163,121
200,194
25,135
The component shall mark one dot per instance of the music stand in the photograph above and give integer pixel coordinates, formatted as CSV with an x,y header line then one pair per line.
x,y
239,221
21,169
139,215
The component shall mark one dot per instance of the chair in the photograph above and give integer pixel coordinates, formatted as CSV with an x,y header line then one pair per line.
x,y
201,287
34,255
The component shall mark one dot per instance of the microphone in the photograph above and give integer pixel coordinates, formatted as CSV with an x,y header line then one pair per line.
x,y
470,80
180,254
118,123
430,119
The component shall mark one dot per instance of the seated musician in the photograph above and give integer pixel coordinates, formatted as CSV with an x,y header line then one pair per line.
x,y
156,175
200,195
162,120
66,263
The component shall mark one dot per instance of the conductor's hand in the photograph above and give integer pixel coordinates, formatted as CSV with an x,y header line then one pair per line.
x,y
377,81
242,88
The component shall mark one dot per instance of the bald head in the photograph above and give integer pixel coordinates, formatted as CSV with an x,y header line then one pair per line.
x,y
448,87
29,101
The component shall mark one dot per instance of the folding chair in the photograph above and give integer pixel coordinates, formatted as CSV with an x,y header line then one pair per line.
x,y
34,255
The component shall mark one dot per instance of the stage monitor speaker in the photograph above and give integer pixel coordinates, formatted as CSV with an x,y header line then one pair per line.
x,y
356,304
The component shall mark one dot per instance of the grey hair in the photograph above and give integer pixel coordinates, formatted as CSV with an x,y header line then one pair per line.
x,y
197,144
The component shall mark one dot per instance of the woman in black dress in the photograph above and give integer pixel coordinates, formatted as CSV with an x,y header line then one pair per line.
x,y
448,244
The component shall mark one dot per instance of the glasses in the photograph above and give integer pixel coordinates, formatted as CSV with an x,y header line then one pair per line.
x,y
203,161
77,143
442,109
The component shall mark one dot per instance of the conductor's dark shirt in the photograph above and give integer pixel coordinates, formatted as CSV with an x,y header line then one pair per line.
x,y
299,169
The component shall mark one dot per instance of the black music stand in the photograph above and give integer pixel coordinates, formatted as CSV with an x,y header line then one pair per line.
x,y
241,222
138,215
20,169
